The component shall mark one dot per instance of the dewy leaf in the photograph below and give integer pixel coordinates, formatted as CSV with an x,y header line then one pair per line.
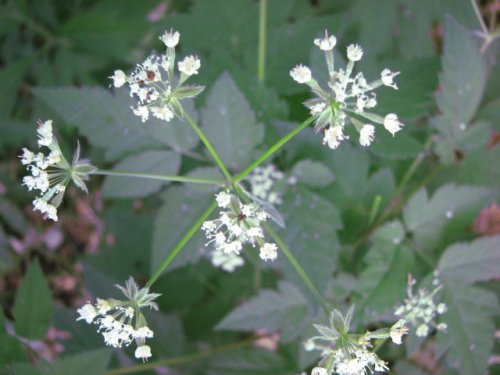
x,y
153,162
230,124
443,218
462,80
471,262
284,310
311,238
470,335
33,305
108,122
180,209
248,361
90,362
312,173
388,263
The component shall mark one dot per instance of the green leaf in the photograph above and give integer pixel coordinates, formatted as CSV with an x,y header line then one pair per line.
x,y
108,122
312,173
248,361
387,266
403,146
230,124
469,338
443,218
126,252
180,209
284,310
471,262
311,238
10,79
462,81
153,162
90,362
33,304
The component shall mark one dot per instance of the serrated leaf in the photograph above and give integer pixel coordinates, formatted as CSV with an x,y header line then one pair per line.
x,y
108,122
469,339
248,361
311,238
150,162
462,80
443,218
350,167
33,304
387,266
283,310
230,124
10,79
404,147
180,209
90,362
312,173
471,262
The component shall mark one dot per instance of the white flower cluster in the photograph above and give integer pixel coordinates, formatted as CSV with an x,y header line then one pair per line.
x,y
50,173
347,97
158,90
122,322
262,180
349,354
237,225
420,310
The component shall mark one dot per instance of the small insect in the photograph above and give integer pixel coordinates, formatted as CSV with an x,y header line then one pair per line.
x,y
150,74
241,217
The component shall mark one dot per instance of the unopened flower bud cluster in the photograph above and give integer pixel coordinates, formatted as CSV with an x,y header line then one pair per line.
x,y
121,321
420,309
344,353
158,89
348,98
238,224
50,173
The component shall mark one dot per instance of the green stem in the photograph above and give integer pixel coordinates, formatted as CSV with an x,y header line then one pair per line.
x,y
303,275
182,359
181,244
261,59
273,149
161,177
209,146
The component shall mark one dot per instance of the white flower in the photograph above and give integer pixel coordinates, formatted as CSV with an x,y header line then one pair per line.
x,y
27,157
236,225
268,251
319,371
397,331
422,330
117,327
316,109
387,78
163,113
143,333
326,43
441,308
228,262
142,112
143,352
119,78
392,124
301,74
366,135
170,38
87,312
189,65
262,181
223,199
45,133
354,52
333,136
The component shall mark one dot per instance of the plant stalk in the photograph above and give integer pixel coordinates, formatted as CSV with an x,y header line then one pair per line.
x,y
153,176
261,59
